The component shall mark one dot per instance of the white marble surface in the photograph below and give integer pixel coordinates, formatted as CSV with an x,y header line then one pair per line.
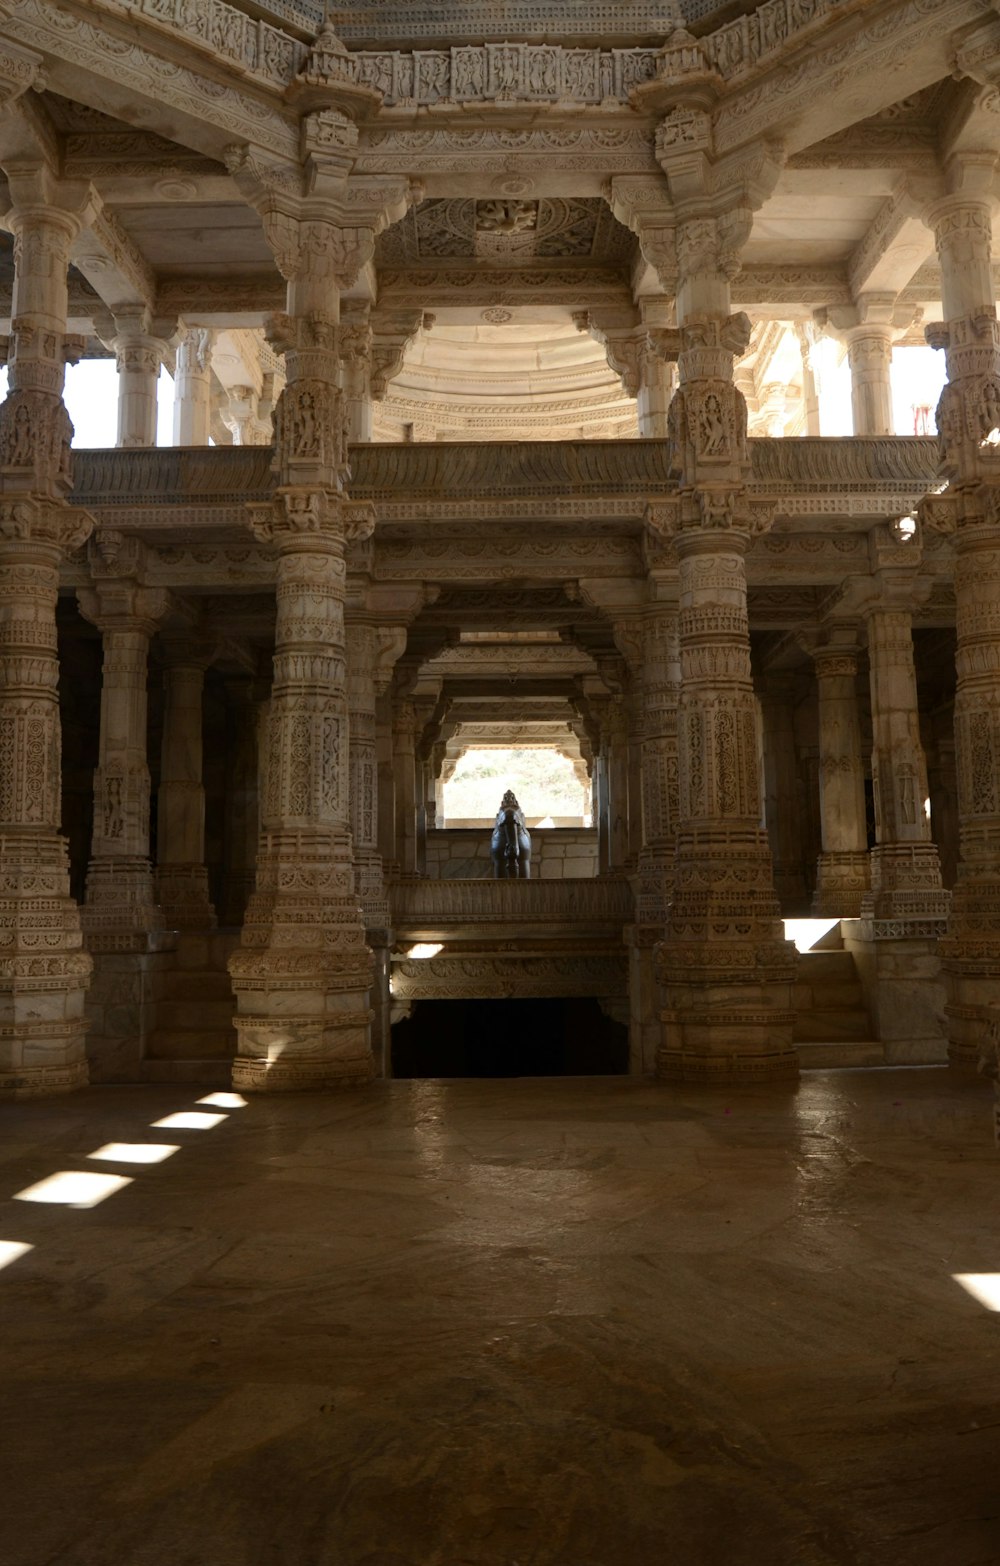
x,y
520,1323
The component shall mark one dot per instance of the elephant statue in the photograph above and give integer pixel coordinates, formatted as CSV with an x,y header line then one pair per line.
x,y
510,845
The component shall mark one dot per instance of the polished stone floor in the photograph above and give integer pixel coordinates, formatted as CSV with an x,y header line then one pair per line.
x,y
517,1323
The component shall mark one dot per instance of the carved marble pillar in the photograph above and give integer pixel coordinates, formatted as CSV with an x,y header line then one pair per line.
x,y
968,415
362,651
726,969
242,819
356,361
806,335
121,912
303,973
42,1027
782,815
869,354
138,356
896,940
657,382
842,871
652,883
906,875
193,389
181,876
616,749
405,772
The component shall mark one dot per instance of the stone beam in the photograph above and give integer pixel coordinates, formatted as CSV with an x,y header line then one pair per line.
x,y
128,69
832,80
114,265
895,245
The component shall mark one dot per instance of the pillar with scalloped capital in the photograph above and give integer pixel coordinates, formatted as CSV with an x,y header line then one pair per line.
x,y
968,416
138,356
726,969
842,871
192,388
44,971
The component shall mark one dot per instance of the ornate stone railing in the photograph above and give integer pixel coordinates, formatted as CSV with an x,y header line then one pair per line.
x,y
429,904
502,470
171,474
833,463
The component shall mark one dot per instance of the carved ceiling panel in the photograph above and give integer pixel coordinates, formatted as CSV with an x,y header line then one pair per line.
x,y
506,231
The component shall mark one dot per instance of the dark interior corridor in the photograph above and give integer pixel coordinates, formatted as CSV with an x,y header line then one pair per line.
x,y
509,1038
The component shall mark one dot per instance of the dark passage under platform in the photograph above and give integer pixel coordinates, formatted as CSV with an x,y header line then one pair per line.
x,y
509,1038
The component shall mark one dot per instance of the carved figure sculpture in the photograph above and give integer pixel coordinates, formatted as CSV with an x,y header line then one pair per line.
x,y
510,845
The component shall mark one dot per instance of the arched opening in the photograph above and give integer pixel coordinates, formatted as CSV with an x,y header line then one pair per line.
x,y
547,1037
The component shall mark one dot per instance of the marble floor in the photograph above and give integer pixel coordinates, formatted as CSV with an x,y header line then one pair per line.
x,y
587,1322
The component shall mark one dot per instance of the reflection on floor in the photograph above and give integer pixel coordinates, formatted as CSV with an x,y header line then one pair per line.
x,y
532,1323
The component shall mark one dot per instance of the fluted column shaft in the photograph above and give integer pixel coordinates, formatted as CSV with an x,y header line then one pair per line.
x,y
193,389
842,872
138,357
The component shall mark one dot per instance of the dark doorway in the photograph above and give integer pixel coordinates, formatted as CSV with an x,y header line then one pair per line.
x,y
564,1037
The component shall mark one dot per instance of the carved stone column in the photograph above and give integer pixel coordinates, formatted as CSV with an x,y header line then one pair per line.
x,y
181,876
405,772
362,653
652,883
806,335
842,871
193,389
968,416
243,775
356,359
138,356
657,382
44,971
121,912
121,919
726,969
904,914
869,354
906,875
615,726
782,813
303,973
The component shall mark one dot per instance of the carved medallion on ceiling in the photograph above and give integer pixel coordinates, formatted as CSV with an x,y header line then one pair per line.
x,y
506,231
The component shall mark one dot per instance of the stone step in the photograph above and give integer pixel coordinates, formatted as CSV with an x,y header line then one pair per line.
x,y
831,1055
199,1073
192,1044
834,967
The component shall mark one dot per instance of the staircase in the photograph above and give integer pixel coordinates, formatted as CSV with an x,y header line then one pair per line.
x,y
832,1025
194,1039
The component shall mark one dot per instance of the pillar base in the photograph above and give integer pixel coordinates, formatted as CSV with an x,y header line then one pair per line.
x,y
297,1076
842,880
727,1030
899,964
742,1066
40,1081
645,1000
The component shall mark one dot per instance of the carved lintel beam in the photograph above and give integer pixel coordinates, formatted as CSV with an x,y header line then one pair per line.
x,y
114,265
